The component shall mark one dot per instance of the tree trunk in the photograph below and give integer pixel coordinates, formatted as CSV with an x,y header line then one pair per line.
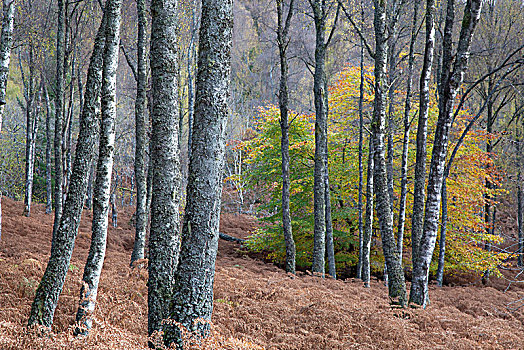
x,y
31,130
102,189
397,285
319,187
422,132
443,230
407,129
48,148
368,226
520,237
48,291
6,41
360,164
193,290
164,233
330,249
283,96
191,53
450,86
141,136
59,111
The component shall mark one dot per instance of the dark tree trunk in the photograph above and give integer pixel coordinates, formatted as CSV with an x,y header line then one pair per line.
x,y
141,136
450,85
59,111
191,53
397,285
193,290
422,131
104,170
164,237
283,97
320,11
52,282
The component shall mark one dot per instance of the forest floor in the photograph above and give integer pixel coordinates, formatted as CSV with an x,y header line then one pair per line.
x,y
257,305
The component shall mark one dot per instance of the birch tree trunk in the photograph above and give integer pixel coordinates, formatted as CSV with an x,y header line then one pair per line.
x,y
422,132
191,53
360,164
106,148
141,136
283,96
50,287
443,231
164,237
193,290
59,112
396,285
419,287
407,129
48,149
31,129
368,226
6,41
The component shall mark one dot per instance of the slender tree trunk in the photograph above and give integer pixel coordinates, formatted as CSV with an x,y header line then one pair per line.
x,y
114,209
141,136
193,289
407,129
104,170
59,111
443,230
368,227
52,282
283,96
422,132
30,144
397,284
48,149
6,41
164,237
319,237
330,248
419,287
361,165
520,237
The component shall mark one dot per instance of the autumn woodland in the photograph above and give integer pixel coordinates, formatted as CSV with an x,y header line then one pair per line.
x,y
273,174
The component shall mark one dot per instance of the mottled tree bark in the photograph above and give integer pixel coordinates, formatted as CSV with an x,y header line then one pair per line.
x,y
407,129
104,170
193,290
52,282
191,53
320,11
6,41
450,86
368,226
361,165
283,96
422,131
396,285
141,136
59,111
164,237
